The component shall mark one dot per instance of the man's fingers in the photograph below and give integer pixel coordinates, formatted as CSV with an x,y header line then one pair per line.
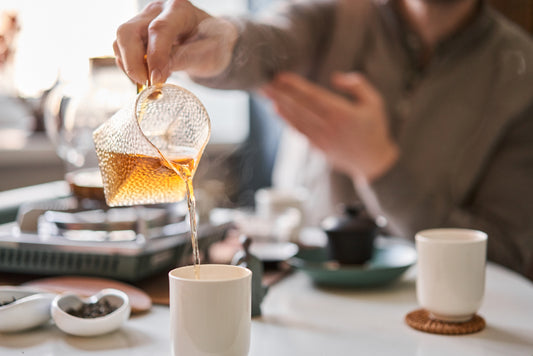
x,y
209,51
118,59
316,98
297,115
175,24
190,55
130,46
356,85
130,52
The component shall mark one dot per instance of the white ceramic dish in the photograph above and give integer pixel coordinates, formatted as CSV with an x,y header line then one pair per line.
x,y
79,326
273,251
30,309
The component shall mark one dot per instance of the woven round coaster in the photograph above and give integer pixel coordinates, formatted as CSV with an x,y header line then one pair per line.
x,y
419,319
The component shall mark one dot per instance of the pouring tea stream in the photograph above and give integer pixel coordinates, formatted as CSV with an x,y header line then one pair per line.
x,y
148,153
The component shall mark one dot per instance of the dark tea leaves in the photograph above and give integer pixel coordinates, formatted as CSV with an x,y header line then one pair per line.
x,y
93,310
8,302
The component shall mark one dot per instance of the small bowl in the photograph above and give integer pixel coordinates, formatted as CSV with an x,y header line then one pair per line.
x,y
30,309
80,326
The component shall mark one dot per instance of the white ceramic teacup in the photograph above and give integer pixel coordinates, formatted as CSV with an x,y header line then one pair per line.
x,y
282,210
451,272
210,315
272,202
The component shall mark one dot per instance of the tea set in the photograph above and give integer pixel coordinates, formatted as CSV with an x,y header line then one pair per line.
x,y
354,254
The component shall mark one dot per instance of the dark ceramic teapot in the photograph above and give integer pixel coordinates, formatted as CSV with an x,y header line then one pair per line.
x,y
350,236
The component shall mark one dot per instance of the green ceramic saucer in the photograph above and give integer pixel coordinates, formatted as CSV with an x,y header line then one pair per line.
x,y
391,258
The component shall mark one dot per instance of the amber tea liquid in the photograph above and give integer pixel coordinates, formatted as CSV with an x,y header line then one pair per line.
x,y
138,179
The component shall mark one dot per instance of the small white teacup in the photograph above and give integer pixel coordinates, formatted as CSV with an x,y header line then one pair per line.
x,y
210,315
451,272
272,202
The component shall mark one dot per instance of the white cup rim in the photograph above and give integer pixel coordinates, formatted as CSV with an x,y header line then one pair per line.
x,y
451,235
186,273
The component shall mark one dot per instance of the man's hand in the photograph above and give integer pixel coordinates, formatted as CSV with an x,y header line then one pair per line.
x,y
353,134
9,26
174,35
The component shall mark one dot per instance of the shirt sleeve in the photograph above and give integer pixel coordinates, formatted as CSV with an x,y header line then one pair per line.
x,y
501,203
293,37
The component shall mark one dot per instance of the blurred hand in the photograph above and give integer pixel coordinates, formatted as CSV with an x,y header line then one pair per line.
x,y
353,134
8,29
4,51
174,35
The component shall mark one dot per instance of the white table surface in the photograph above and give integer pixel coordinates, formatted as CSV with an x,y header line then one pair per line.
x,y
300,319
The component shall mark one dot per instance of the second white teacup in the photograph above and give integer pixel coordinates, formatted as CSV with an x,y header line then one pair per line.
x,y
451,272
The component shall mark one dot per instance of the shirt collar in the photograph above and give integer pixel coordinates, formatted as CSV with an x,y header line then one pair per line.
x,y
460,40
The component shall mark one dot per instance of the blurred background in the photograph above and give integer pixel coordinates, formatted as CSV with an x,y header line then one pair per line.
x,y
46,73
58,82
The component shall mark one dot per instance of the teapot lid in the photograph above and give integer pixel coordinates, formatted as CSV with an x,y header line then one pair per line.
x,y
354,218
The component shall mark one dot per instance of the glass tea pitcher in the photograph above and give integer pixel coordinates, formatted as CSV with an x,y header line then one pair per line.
x,y
148,151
